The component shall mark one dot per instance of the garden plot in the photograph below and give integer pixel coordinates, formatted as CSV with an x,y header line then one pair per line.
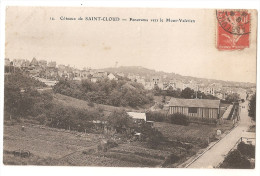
x,y
46,143
125,155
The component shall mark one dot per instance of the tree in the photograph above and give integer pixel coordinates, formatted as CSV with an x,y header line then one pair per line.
x,y
234,97
115,98
156,90
235,160
246,149
12,99
164,99
179,119
252,107
187,93
153,136
120,121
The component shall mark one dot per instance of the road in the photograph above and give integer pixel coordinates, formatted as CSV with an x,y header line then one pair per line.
x,y
217,153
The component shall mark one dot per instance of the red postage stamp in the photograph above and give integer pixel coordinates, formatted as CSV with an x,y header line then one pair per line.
x,y
233,29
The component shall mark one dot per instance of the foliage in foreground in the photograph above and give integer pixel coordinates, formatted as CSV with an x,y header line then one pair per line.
x,y
239,158
235,160
252,107
246,149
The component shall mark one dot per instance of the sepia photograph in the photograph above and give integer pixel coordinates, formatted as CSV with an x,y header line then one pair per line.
x,y
130,87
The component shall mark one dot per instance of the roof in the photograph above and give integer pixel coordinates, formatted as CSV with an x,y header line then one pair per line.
x,y
34,62
199,103
137,115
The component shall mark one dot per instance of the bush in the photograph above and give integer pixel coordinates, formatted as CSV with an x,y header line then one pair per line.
x,y
171,159
42,118
155,137
106,146
156,116
179,119
115,93
246,149
235,160
91,104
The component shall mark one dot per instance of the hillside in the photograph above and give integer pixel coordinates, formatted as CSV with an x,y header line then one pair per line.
x,y
67,101
149,73
21,80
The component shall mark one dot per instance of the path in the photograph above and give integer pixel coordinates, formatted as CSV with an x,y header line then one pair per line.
x,y
217,153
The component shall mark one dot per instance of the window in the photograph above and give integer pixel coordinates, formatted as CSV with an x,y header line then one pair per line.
x,y
192,110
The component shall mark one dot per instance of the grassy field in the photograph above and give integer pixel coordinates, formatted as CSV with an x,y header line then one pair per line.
x,y
76,103
192,132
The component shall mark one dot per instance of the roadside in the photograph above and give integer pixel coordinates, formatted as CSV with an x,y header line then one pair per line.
x,y
216,154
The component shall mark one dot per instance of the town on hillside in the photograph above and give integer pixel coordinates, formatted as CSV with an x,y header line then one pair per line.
x,y
51,73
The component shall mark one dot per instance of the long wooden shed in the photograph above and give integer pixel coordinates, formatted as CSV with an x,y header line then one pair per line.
x,y
202,108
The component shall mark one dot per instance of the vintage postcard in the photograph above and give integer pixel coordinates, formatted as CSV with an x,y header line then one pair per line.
x,y
130,87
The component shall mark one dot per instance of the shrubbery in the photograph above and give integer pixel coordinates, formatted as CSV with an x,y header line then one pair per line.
x,y
252,107
246,149
156,116
120,121
187,93
235,160
171,159
203,120
34,106
116,93
72,118
179,119
238,158
108,145
21,80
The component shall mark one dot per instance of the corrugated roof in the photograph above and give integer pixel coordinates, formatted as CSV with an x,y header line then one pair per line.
x,y
199,103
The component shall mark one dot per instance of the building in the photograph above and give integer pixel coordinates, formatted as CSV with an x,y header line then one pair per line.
x,y
34,63
111,76
52,64
120,74
137,116
202,108
95,78
43,63
101,73
155,80
208,90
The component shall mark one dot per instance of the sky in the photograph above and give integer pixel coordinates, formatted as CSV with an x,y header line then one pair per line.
x,y
185,48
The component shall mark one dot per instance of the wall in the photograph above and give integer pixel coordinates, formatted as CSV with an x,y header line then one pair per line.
x,y
201,112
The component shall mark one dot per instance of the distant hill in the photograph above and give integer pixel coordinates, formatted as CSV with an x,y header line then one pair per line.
x,y
149,73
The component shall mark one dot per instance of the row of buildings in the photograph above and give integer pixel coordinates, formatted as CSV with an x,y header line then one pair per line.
x,y
52,71
215,89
